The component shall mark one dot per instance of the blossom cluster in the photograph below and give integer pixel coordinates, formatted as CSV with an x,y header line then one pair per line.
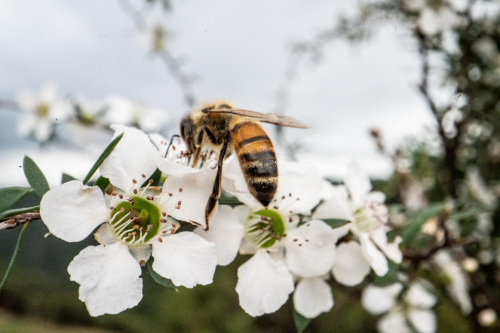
x,y
311,232
42,111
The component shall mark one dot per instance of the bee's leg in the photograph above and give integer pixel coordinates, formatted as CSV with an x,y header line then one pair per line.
x,y
216,190
199,141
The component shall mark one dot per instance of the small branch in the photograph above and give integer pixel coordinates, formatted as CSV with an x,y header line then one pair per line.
x,y
19,219
170,62
449,145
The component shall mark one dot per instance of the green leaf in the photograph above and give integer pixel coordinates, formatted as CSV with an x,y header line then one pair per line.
x,y
66,178
160,279
102,183
35,176
101,158
412,230
228,199
11,195
156,176
17,211
336,223
14,255
301,322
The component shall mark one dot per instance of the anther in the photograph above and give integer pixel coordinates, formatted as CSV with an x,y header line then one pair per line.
x,y
308,224
170,194
163,220
113,194
136,227
283,198
180,189
121,196
290,194
160,240
179,203
111,208
122,210
135,191
300,244
150,182
177,207
295,240
143,176
275,207
307,240
290,219
134,181
164,213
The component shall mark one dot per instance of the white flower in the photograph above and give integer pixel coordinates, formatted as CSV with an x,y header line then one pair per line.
x,y
280,244
135,224
458,285
123,111
478,188
88,111
312,297
41,112
369,216
414,306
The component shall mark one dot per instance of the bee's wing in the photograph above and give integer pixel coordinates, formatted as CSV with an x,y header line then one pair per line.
x,y
270,118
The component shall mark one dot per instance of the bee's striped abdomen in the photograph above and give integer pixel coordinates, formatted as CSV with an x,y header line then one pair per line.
x,y
257,160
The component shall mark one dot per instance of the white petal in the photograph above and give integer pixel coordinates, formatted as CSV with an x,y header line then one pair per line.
x,y
246,247
119,111
48,93
378,300
372,254
226,232
108,277
351,267
43,130
141,254
358,184
393,322
186,259
170,168
303,181
26,124
27,101
134,156
420,297
391,250
337,208
104,235
71,210
312,297
263,284
193,190
313,254
423,320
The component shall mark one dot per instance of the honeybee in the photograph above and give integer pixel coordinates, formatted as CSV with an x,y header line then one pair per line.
x,y
227,129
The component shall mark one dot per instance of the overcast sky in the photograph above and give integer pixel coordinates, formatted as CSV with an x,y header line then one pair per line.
x,y
237,49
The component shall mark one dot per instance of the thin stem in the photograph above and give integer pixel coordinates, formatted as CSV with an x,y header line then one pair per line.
x,y
14,256
171,63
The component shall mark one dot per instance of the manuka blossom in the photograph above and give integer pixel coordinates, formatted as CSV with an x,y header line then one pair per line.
x,y
282,245
457,281
41,111
368,224
401,307
120,110
136,223
313,296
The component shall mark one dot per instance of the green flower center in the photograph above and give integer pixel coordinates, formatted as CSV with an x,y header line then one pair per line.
x,y
136,221
42,111
264,228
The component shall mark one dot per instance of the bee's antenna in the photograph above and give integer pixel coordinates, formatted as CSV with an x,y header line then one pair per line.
x,y
170,143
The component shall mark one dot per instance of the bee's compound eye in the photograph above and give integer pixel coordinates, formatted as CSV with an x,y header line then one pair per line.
x,y
186,128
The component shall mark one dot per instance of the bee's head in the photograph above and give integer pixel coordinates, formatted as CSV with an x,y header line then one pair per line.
x,y
187,134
